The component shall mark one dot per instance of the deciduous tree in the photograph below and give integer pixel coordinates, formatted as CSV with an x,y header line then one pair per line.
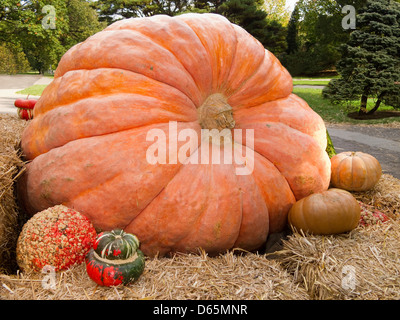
x,y
25,24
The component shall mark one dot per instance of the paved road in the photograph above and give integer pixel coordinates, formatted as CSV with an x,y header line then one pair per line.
x,y
381,142
308,86
18,81
11,84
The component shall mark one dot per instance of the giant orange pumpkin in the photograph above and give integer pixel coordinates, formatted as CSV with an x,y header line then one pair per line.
x,y
88,143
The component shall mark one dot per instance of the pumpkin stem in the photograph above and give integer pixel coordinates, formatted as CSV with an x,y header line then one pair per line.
x,y
216,113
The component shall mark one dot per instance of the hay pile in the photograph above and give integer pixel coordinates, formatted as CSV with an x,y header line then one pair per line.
x,y
385,196
11,166
363,264
182,277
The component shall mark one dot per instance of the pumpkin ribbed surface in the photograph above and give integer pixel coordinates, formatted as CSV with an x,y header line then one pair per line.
x,y
116,245
88,137
329,212
355,171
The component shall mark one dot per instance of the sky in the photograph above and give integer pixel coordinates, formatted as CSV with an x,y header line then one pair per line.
x,y
291,3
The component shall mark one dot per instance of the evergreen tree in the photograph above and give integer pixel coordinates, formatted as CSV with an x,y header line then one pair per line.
x,y
292,32
370,63
112,10
274,38
209,5
246,14
249,15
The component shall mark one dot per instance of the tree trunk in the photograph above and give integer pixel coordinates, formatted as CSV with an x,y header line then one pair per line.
x,y
377,104
363,107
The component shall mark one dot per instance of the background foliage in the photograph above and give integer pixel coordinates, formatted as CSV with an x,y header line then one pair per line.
x,y
21,31
306,40
370,62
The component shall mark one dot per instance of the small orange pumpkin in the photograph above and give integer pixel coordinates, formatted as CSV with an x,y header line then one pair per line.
x,y
355,171
330,212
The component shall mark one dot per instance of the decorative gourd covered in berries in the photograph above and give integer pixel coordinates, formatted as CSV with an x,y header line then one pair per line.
x,y
370,215
329,212
355,171
58,236
115,258
175,77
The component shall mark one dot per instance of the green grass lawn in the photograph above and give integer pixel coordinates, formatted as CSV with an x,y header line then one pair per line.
x,y
35,90
316,78
337,113
323,107
311,82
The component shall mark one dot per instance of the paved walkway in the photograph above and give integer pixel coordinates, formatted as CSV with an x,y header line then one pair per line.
x,y
308,86
381,142
312,79
7,98
9,85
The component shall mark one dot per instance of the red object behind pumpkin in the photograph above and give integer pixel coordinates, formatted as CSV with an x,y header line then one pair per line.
x,y
25,108
371,216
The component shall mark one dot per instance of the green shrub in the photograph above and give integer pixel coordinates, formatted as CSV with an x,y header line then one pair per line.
x,y
13,60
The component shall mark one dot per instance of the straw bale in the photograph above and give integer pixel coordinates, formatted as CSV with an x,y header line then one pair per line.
x,y
11,166
229,276
385,196
363,264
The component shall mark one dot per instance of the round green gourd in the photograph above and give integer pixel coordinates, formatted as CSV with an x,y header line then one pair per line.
x,y
115,258
116,245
